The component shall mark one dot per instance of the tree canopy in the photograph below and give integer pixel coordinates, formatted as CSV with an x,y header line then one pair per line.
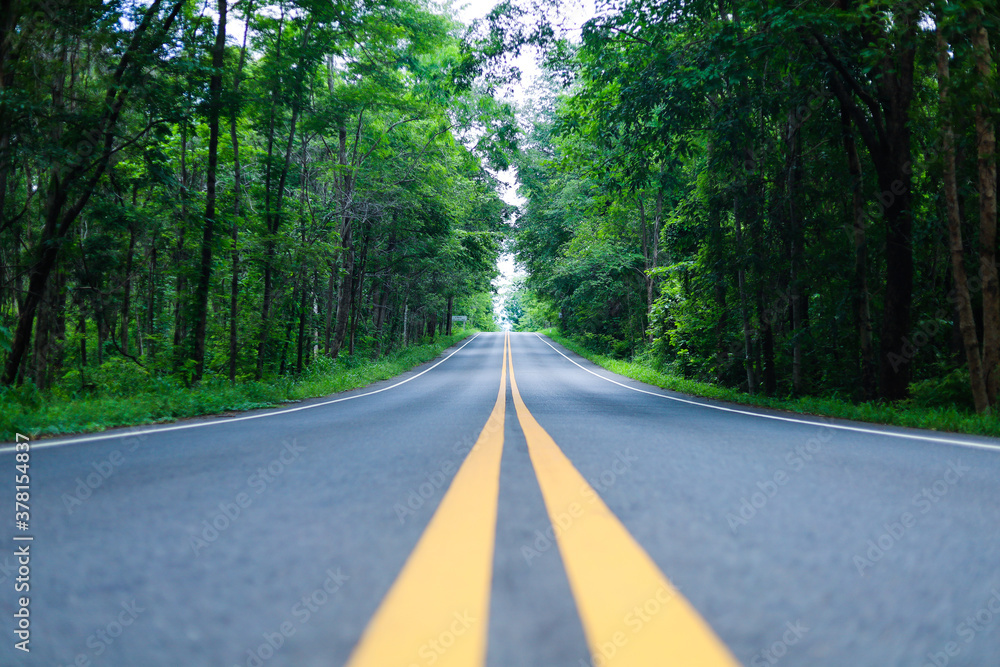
x,y
238,188
788,199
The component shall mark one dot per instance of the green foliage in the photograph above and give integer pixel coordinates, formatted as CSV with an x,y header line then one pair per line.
x,y
352,201
939,416
689,197
479,309
525,310
949,390
125,395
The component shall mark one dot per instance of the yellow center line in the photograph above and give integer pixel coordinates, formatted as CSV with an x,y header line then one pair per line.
x,y
632,615
438,608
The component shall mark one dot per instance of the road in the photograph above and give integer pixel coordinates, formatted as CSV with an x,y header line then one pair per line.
x,y
508,507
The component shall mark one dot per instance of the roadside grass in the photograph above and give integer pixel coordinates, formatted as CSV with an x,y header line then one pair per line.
x,y
949,419
129,397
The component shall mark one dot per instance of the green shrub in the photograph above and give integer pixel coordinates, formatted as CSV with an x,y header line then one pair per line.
x,y
120,377
952,390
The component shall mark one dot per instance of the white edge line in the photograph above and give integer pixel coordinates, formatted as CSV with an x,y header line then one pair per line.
x,y
178,427
841,427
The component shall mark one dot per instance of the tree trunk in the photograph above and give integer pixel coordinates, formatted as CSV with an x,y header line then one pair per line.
x,y
127,291
152,299
796,241
986,152
406,317
744,309
346,295
328,331
770,372
299,349
963,303
861,297
180,256
237,202
431,325
81,328
208,231
50,332
359,291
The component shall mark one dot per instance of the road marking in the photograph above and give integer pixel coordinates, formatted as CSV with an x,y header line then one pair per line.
x,y
792,420
437,610
41,444
631,613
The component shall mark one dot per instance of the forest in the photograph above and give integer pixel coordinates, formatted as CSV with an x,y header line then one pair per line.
x,y
787,199
783,199
230,191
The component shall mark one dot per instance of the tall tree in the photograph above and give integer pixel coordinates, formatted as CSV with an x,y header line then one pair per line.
x,y
200,305
72,181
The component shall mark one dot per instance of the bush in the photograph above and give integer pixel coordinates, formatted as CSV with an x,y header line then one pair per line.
x,y
26,396
951,390
120,377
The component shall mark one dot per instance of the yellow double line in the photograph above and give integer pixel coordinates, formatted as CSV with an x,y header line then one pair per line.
x,y
437,611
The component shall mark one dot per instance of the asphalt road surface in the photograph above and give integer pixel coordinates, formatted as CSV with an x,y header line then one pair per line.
x,y
505,505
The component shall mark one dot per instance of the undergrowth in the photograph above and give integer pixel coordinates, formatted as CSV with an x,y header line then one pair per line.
x,y
938,408
120,393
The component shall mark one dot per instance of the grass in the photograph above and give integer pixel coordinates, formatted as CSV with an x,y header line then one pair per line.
x,y
130,397
949,419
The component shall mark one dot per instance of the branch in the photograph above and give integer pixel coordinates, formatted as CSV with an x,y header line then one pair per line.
x,y
870,102
379,142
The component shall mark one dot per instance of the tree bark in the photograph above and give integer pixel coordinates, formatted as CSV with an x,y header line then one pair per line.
x,y
796,241
127,291
861,297
963,303
328,325
359,289
234,290
208,231
299,346
986,153
744,309
767,347
346,291
180,255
